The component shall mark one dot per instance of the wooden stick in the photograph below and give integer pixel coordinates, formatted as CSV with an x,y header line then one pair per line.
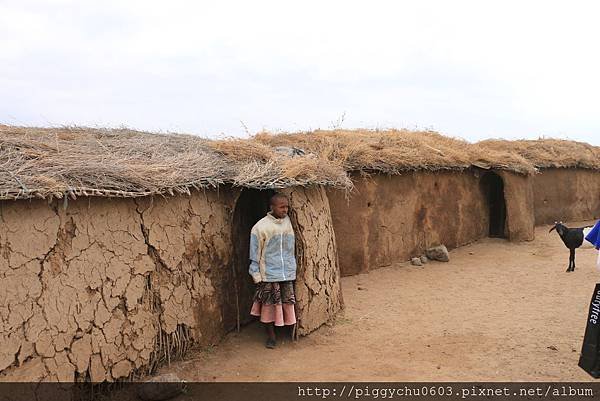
x,y
237,290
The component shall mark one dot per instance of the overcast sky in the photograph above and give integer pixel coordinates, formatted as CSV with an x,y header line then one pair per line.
x,y
472,69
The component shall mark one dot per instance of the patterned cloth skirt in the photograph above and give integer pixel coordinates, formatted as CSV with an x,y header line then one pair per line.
x,y
274,303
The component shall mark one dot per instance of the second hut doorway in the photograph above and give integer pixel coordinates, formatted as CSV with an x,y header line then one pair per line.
x,y
493,188
252,205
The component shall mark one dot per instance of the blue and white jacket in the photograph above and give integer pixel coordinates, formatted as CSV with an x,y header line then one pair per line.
x,y
594,235
272,244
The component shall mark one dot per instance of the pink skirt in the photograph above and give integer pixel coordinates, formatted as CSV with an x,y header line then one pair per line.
x,y
274,303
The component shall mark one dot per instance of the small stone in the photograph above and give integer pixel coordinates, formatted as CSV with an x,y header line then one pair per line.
x,y
471,253
361,288
290,151
416,262
439,253
424,259
553,348
161,388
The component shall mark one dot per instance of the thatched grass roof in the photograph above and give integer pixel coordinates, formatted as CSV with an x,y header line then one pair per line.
x,y
394,151
548,153
76,161
57,162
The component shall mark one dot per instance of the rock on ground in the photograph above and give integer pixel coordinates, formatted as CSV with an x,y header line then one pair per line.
x,y
439,253
416,262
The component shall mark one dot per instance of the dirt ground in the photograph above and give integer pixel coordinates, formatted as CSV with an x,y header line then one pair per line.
x,y
498,311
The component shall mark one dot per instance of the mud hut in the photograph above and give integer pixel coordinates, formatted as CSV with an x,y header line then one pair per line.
x,y
567,184
413,190
119,249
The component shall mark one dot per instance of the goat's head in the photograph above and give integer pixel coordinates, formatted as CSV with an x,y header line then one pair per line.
x,y
558,226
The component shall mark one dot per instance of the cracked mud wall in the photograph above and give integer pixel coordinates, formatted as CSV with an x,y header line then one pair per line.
x,y
318,290
106,287
567,195
390,219
190,240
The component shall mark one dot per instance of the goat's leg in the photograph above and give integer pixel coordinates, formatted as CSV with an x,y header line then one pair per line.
x,y
571,260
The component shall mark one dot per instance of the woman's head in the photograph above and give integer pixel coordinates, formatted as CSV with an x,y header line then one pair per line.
x,y
279,205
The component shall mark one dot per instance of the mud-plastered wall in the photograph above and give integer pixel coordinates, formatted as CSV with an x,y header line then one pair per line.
x,y
389,219
518,195
318,290
190,242
566,194
107,287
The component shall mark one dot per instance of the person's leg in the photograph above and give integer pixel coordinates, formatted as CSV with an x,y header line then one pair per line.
x,y
288,298
271,342
270,330
293,328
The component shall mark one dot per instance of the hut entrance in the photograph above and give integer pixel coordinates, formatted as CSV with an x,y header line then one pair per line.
x,y
252,205
493,188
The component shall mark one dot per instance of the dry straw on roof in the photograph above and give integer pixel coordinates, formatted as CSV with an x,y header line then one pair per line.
x,y
549,153
394,151
54,162
261,166
42,162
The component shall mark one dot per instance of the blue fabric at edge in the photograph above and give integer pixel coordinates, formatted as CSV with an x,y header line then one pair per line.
x,y
594,235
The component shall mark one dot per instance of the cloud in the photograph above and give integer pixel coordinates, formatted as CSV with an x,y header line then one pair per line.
x,y
466,68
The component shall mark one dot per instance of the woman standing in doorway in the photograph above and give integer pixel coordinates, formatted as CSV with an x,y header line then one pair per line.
x,y
273,268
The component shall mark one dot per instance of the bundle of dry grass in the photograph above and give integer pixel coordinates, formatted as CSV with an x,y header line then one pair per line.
x,y
260,166
548,153
75,161
394,151
500,159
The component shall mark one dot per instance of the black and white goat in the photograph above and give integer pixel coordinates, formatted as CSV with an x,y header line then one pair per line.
x,y
572,237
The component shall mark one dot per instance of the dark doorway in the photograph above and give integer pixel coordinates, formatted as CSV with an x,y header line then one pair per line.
x,y
252,205
493,188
